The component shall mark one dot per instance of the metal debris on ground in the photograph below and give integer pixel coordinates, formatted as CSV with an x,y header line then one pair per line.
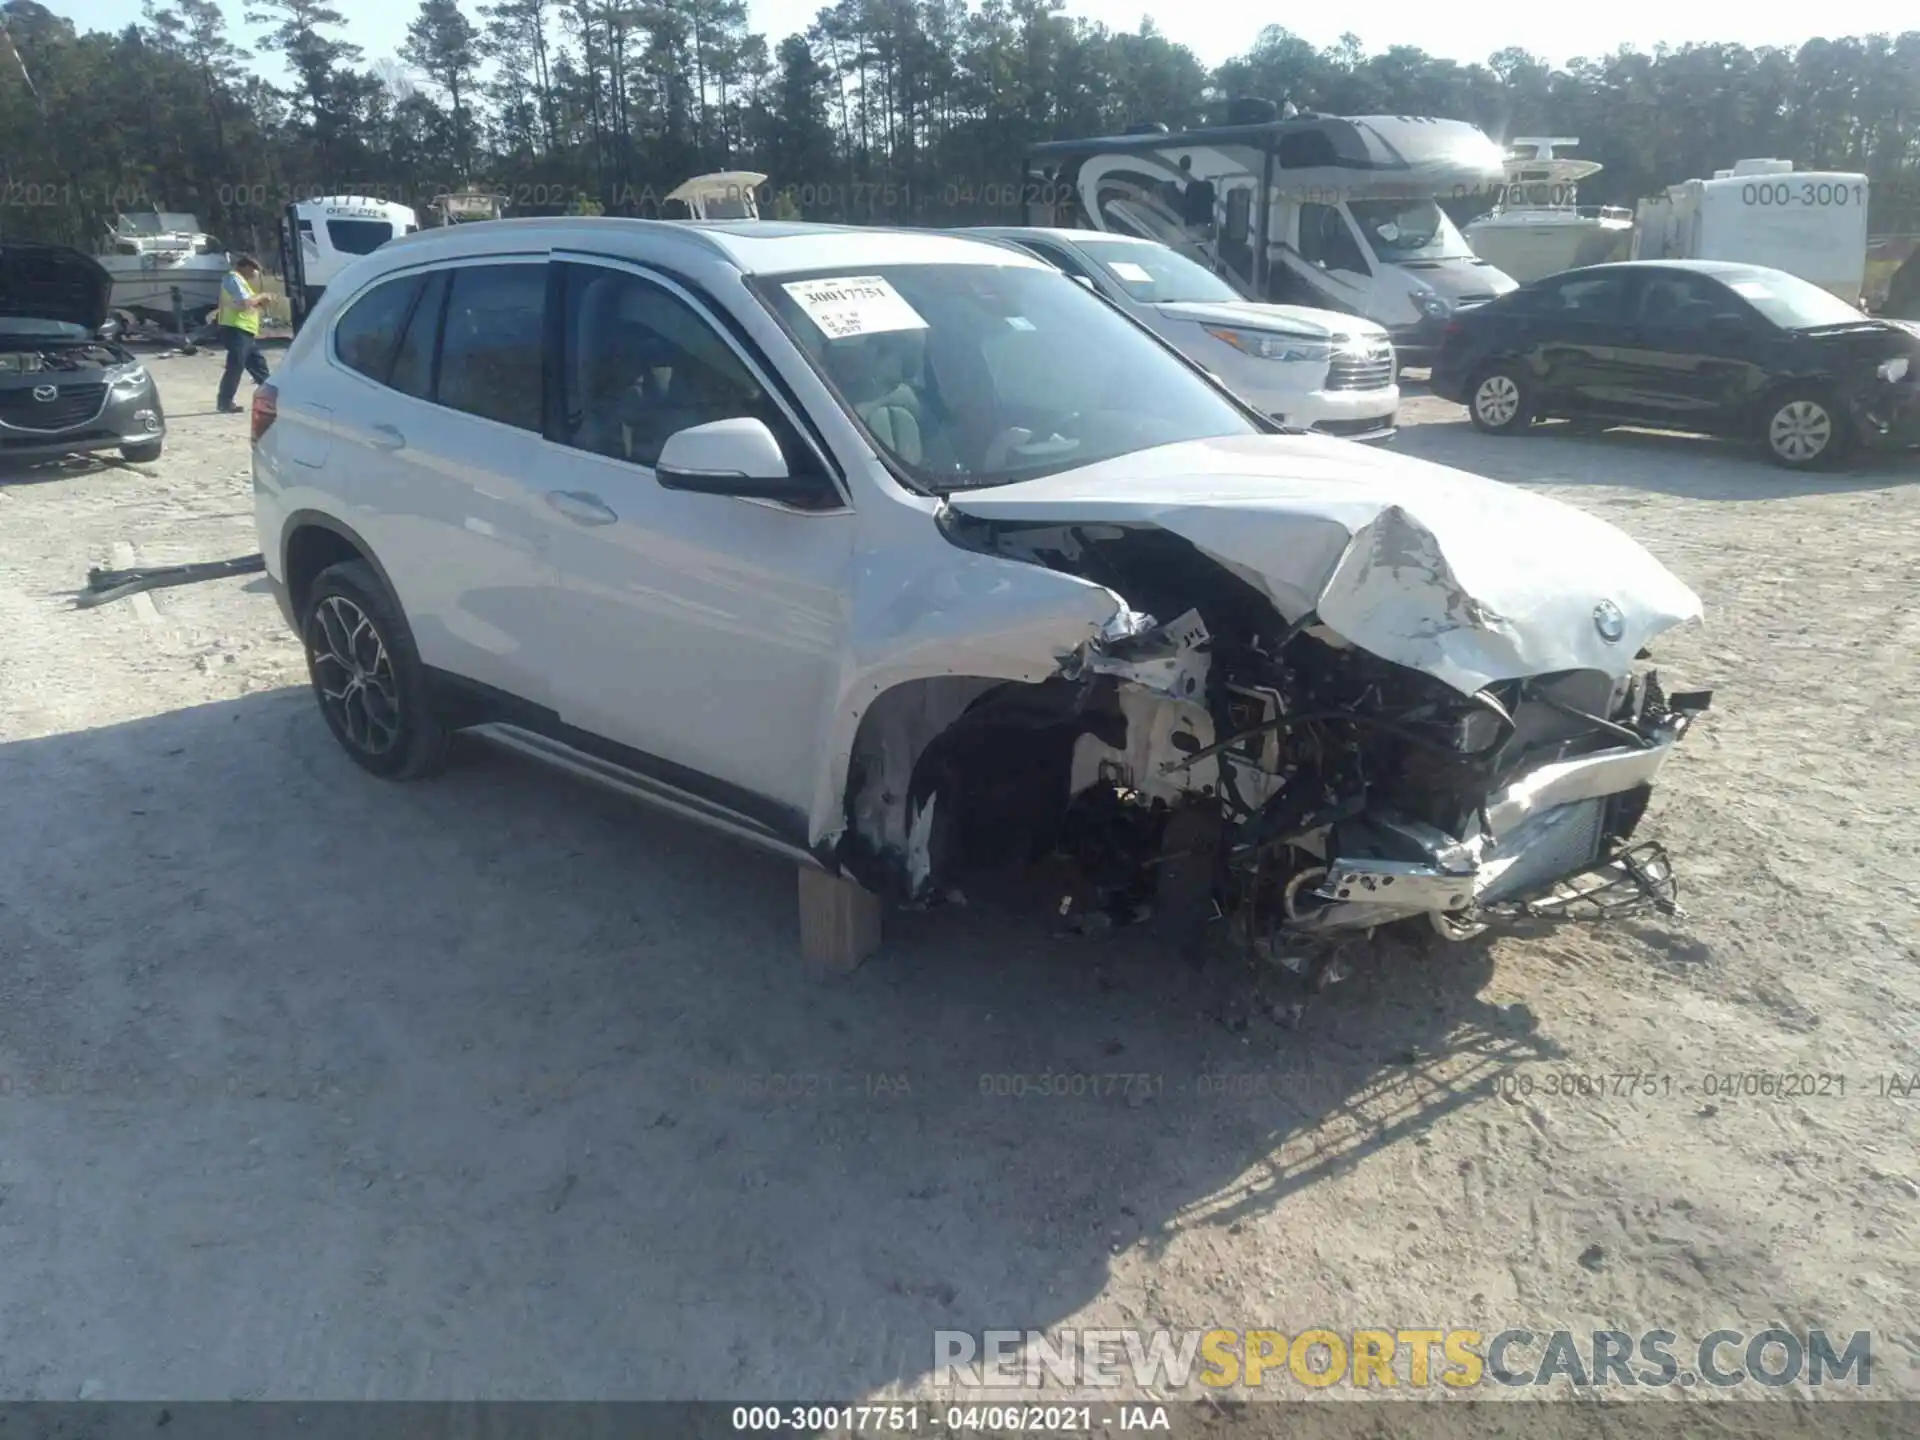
x,y
105,585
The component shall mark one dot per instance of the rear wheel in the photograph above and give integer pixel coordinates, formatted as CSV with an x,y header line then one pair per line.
x,y
1501,402
1804,430
367,675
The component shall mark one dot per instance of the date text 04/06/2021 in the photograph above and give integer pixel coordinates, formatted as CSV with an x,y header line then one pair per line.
x,y
922,1418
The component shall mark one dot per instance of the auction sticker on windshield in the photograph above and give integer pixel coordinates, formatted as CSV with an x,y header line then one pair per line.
x,y
854,305
1130,272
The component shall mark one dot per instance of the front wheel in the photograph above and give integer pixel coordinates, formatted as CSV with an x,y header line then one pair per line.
x,y
1501,402
1804,431
367,675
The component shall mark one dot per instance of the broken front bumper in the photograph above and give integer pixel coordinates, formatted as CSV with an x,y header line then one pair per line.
x,y
1557,824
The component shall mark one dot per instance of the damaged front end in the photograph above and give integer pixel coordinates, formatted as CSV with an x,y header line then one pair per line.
x,y
1229,761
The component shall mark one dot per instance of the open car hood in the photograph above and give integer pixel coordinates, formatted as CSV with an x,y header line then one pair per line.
x,y
53,282
1469,580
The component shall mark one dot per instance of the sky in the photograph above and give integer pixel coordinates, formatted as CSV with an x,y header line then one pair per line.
x,y
1216,30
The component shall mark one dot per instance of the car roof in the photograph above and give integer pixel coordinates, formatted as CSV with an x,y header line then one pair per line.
x,y
1057,232
1697,267
754,247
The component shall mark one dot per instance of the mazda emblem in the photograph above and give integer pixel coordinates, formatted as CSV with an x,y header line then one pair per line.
x,y
1608,620
46,392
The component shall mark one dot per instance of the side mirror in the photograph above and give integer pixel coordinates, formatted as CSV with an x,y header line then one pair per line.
x,y
109,329
738,457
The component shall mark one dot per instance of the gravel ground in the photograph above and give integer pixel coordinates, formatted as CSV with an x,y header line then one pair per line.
x,y
315,1087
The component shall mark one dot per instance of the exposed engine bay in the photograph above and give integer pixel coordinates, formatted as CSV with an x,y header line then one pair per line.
x,y
1204,752
21,356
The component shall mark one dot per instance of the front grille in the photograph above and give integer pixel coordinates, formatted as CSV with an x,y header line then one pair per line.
x,y
74,405
1370,369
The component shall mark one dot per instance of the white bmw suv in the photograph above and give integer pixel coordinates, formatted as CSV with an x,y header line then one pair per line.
x,y
905,557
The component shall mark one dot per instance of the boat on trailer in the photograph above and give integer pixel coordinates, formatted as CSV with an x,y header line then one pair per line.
x,y
150,254
1537,226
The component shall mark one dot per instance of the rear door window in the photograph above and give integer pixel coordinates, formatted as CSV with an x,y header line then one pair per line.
x,y
492,342
368,334
1585,297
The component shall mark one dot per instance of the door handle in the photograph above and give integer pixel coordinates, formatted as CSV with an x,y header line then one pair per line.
x,y
386,437
581,507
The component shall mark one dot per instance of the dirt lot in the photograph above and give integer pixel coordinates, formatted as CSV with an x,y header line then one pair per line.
x,y
312,1086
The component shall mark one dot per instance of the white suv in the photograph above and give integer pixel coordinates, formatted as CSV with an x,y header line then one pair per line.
x,y
903,556
1309,369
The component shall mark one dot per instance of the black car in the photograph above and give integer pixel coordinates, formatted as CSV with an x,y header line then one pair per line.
x,y
1699,345
67,385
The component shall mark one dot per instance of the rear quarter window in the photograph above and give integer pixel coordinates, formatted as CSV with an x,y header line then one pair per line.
x,y
368,334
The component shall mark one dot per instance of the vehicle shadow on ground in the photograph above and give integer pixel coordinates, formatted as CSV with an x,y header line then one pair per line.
x,y
14,472
1693,467
526,1089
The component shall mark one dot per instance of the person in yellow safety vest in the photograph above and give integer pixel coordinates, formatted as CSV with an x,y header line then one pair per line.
x,y
239,322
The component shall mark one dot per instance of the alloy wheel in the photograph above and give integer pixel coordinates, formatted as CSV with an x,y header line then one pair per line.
x,y
353,674
1800,431
1497,400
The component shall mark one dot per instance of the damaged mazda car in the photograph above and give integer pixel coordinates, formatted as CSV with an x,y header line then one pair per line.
x,y
67,385
903,556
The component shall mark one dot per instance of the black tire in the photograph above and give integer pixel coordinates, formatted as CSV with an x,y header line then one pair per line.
x,y
1803,428
367,676
1500,401
144,454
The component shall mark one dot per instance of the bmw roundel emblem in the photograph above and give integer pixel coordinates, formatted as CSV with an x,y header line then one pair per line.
x,y
1608,620
46,392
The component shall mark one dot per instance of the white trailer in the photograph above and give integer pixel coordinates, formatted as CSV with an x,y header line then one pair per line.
x,y
1809,223
320,238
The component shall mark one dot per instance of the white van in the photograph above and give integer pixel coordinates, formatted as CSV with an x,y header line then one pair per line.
x,y
1312,369
320,238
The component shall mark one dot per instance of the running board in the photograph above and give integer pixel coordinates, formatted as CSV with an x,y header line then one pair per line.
x,y
618,778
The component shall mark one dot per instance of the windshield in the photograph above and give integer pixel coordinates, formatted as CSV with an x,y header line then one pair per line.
x,y
1408,230
1790,302
971,375
1155,275
161,223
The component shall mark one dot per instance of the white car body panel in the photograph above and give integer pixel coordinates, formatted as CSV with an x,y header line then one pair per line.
x,y
1469,580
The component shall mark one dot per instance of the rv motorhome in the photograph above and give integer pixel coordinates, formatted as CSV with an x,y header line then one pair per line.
x,y
1317,210
1809,223
320,238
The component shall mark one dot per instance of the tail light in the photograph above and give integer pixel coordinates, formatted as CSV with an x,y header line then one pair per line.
x,y
266,408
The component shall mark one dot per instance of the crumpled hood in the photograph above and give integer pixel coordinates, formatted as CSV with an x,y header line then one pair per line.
x,y
1469,580
1290,319
53,282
